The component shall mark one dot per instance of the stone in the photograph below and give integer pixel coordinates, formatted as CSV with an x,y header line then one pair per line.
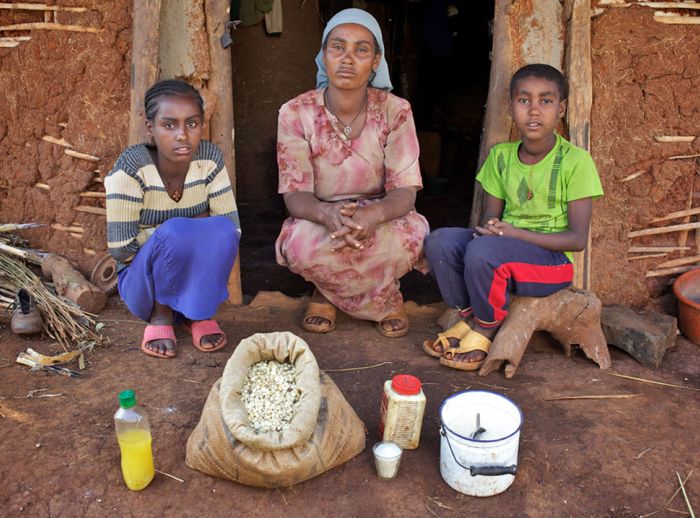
x,y
644,335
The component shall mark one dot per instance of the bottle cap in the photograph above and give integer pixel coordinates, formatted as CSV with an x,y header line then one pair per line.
x,y
127,398
405,384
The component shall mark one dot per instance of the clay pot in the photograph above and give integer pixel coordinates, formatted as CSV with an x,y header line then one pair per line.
x,y
687,291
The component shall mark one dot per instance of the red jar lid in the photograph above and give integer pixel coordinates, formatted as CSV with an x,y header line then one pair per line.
x,y
405,384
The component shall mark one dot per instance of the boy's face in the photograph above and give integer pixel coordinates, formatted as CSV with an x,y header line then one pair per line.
x,y
536,108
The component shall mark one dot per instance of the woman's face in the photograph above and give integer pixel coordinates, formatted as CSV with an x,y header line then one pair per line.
x,y
176,128
350,56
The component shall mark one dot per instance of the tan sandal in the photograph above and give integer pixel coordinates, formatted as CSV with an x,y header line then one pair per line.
x,y
471,342
458,331
390,333
324,310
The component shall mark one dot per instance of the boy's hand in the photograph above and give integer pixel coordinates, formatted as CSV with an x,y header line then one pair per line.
x,y
497,228
488,228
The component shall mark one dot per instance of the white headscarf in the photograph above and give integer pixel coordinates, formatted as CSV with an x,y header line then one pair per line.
x,y
360,17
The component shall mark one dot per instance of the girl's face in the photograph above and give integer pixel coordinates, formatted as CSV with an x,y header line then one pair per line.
x,y
350,56
176,128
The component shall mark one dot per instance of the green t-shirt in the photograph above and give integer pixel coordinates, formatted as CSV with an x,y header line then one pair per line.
x,y
536,196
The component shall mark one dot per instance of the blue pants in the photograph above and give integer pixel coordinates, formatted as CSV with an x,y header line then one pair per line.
x,y
184,265
479,274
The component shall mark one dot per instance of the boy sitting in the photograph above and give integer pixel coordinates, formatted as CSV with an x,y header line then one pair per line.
x,y
537,211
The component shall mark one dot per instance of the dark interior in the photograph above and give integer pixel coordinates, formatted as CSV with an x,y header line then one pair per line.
x,y
438,54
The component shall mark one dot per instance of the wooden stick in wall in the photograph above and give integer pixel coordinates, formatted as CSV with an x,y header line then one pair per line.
x,y
634,175
15,38
681,157
663,17
679,214
649,256
9,44
669,271
44,186
91,210
683,236
93,194
670,5
663,230
89,251
682,261
41,7
46,26
82,156
674,138
57,141
63,228
652,249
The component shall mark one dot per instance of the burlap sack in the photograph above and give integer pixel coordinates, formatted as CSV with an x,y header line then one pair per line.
x,y
324,433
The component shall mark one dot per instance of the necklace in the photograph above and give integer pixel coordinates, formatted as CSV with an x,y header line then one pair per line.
x,y
175,194
347,128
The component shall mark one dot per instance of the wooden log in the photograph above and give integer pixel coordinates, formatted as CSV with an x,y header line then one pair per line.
x,y
221,123
578,113
642,249
663,230
91,210
46,26
82,156
681,261
93,194
69,283
571,316
57,141
674,138
41,7
669,271
144,63
497,120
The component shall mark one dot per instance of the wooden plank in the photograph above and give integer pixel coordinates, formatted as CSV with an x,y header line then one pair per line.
x,y
221,122
578,115
9,44
663,230
144,62
497,120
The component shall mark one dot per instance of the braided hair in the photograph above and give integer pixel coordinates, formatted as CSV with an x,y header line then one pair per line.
x,y
169,88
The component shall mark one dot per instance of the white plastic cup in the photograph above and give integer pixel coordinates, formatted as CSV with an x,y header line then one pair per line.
x,y
387,456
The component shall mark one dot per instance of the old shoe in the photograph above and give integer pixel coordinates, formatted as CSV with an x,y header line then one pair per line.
x,y
26,319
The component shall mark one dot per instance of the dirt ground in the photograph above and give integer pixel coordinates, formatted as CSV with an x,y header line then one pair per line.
x,y
610,457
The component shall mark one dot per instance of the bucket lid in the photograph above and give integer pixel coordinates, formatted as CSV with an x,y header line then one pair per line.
x,y
405,384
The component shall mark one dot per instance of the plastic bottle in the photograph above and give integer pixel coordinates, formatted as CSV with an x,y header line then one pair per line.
x,y
134,437
403,404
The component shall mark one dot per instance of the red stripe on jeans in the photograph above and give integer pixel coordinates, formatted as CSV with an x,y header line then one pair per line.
x,y
524,272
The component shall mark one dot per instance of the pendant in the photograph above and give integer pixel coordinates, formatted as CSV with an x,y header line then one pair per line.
x,y
529,194
176,195
347,130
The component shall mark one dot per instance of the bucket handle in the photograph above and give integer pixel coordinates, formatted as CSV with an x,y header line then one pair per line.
x,y
485,471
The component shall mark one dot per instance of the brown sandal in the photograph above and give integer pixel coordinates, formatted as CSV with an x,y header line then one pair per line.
x,y
319,309
458,331
471,342
398,315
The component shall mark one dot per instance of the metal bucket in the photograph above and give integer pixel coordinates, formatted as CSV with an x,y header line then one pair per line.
x,y
480,436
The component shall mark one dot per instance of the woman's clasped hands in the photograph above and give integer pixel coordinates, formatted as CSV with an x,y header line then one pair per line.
x,y
350,224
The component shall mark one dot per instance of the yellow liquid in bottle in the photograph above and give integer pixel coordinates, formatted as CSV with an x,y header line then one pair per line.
x,y
137,458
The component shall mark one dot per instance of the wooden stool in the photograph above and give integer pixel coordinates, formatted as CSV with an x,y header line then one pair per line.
x,y
572,316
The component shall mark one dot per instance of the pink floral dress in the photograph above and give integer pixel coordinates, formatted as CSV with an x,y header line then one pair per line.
x,y
314,156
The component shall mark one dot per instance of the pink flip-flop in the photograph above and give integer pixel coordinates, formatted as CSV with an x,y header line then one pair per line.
x,y
201,328
153,332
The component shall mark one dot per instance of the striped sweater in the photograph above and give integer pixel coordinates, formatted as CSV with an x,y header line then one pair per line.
x,y
137,201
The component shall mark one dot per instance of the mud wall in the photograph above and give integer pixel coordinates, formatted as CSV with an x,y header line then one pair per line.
x,y
72,86
646,79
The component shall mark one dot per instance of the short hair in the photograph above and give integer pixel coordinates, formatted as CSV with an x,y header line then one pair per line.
x,y
170,88
542,71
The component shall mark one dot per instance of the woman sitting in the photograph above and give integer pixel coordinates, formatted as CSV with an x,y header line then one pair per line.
x,y
348,161
172,223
